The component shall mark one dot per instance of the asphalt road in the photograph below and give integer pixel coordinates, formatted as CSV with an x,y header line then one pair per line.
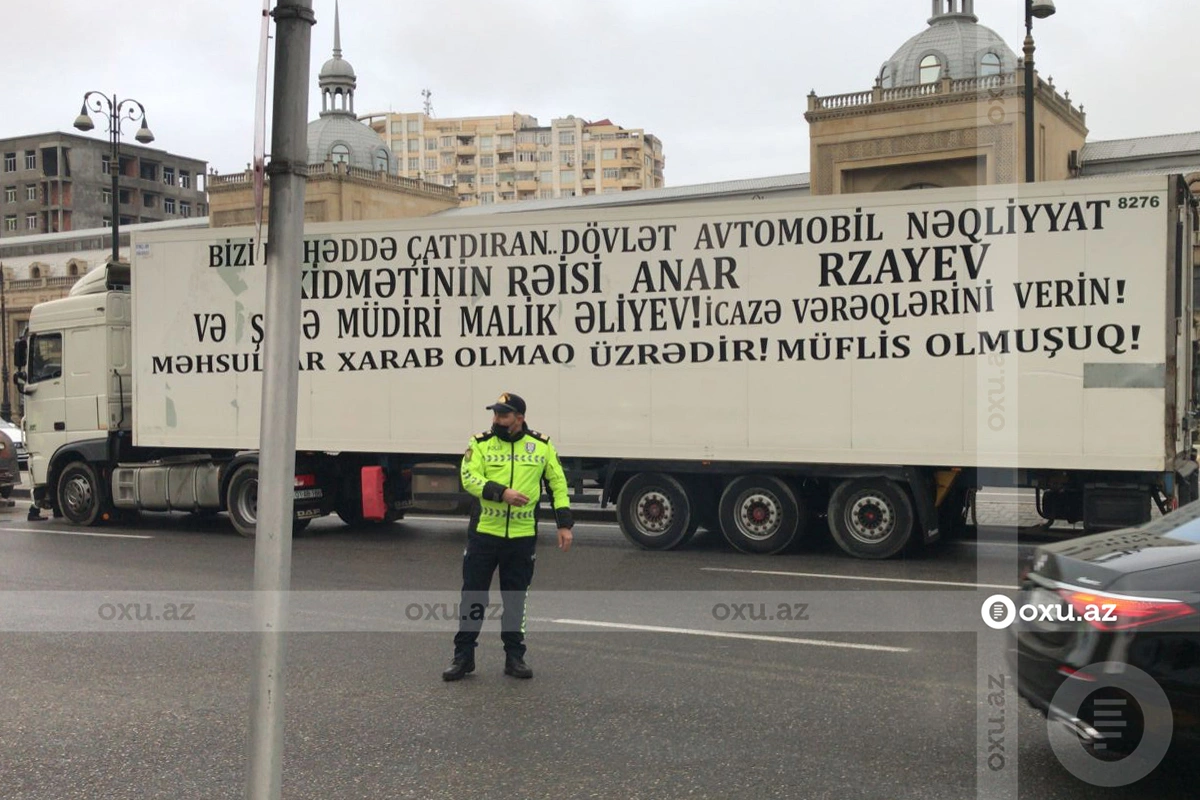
x,y
881,693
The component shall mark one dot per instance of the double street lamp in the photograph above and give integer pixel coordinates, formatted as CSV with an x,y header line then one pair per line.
x,y
115,112
1040,9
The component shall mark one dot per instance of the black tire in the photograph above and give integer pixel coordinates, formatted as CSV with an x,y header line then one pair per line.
x,y
653,511
870,517
760,514
241,499
81,495
954,512
6,492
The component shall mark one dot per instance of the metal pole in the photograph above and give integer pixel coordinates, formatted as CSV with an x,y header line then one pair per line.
x,y
277,457
5,405
1029,133
114,167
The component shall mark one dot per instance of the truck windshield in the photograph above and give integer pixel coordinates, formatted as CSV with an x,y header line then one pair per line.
x,y
45,357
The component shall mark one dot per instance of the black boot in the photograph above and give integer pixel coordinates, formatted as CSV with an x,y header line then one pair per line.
x,y
516,666
35,514
459,668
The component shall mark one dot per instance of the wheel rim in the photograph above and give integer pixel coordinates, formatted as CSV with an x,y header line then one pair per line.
x,y
759,514
654,513
247,501
871,519
79,495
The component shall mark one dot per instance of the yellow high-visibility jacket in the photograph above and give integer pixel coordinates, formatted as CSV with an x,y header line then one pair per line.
x,y
492,465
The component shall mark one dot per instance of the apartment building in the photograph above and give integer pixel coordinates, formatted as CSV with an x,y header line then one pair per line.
x,y
57,182
511,157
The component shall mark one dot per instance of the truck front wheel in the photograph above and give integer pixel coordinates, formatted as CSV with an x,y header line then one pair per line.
x,y
870,517
653,511
81,496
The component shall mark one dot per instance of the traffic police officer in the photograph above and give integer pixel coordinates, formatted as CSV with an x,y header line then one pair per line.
x,y
504,469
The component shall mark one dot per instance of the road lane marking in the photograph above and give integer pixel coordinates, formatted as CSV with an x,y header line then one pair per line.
x,y
726,635
858,578
76,533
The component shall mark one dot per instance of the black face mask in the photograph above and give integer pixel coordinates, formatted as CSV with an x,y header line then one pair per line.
x,y
499,430
503,434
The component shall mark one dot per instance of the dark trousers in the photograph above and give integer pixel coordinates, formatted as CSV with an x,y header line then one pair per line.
x,y
515,558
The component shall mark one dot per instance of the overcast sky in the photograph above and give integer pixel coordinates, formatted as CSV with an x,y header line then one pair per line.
x,y
684,70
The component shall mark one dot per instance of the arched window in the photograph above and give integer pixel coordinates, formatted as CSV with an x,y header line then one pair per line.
x,y
989,65
339,154
35,272
885,77
931,69
72,269
381,160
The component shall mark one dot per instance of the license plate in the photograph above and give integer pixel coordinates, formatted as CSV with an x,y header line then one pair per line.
x,y
308,494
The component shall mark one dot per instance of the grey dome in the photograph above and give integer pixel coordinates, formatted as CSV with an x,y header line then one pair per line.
x,y
342,129
337,67
960,44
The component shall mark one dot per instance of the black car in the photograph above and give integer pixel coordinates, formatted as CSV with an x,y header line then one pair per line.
x,y
1111,649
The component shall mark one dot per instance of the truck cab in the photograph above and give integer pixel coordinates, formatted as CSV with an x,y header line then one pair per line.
x,y
75,377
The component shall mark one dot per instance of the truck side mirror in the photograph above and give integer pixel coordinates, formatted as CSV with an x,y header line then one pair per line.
x,y
20,351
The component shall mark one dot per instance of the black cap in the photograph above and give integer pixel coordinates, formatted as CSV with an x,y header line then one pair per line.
x,y
508,402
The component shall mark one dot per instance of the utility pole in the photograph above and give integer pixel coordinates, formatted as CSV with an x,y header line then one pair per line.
x,y
287,171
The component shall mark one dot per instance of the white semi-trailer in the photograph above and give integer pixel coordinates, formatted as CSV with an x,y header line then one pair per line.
x,y
745,365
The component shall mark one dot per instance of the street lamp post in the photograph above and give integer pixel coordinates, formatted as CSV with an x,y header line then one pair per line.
x,y
1040,9
115,112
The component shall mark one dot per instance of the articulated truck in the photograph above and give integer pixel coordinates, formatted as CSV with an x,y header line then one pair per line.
x,y
765,368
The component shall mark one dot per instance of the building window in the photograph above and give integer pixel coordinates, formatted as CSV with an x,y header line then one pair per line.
x,y
931,69
485,142
885,77
431,144
487,178
989,65
106,165
487,161
10,162
31,222
568,192
10,222
31,192
414,164
148,200
339,154
381,160
185,179
567,176
544,138
106,196
609,154
185,209
566,157
545,155
414,126
526,156
487,198
546,176
505,141
566,137
169,205
612,173
31,159
545,194
430,163
447,159
169,176
447,141
447,180
414,145
10,194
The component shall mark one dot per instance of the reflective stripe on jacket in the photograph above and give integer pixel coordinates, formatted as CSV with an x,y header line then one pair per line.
x,y
492,465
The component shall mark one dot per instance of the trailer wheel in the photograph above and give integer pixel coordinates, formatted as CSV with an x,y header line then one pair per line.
x,y
870,517
653,511
760,514
241,498
80,494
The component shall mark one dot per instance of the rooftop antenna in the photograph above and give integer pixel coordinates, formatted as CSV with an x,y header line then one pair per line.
x,y
428,95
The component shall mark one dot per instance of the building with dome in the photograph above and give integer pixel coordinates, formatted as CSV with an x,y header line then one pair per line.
x,y
946,109
352,173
